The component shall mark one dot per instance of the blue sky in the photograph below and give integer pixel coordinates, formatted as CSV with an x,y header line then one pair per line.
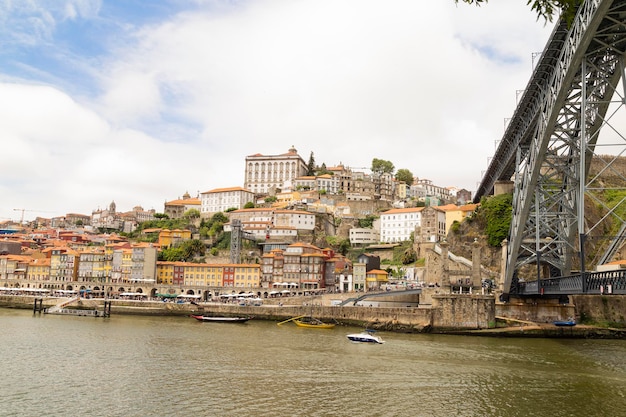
x,y
138,101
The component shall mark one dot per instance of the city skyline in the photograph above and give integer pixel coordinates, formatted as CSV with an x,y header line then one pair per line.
x,y
138,102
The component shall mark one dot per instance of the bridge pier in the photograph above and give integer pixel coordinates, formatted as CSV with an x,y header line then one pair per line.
x,y
539,310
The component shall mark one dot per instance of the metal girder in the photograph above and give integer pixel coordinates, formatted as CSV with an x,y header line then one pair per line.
x,y
550,144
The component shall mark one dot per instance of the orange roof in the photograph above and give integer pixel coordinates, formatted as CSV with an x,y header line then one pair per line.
x,y
223,190
404,210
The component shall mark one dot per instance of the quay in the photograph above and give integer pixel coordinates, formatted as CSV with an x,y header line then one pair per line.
x,y
447,315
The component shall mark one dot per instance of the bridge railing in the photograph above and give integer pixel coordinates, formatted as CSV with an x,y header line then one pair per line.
x,y
605,282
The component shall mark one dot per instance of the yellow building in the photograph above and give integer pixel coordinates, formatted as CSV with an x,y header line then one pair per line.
x,y
38,270
165,273
168,238
376,278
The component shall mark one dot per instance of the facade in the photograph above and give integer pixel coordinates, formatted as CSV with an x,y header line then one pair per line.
x,y
174,237
433,228
223,199
376,279
143,263
267,173
299,266
457,213
396,225
175,209
268,223
359,274
425,190
363,236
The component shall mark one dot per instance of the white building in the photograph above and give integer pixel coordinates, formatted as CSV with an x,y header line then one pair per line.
x,y
396,225
266,173
363,236
222,199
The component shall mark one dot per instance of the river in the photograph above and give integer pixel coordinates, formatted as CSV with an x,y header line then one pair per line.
x,y
176,366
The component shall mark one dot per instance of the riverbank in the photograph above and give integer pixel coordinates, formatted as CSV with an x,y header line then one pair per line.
x,y
401,320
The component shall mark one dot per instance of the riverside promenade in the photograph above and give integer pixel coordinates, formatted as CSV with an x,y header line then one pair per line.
x,y
395,319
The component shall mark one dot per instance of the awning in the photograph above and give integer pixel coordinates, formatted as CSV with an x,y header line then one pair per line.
x,y
167,295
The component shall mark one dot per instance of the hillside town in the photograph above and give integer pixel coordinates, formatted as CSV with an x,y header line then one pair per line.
x,y
290,225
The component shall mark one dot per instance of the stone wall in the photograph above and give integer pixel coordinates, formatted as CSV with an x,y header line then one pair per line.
x,y
603,308
451,311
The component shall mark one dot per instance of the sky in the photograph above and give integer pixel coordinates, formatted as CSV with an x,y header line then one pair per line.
x,y
140,101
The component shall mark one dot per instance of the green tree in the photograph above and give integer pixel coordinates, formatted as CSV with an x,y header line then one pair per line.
x,y
497,211
409,256
271,199
546,8
405,176
367,222
310,166
192,214
249,205
380,166
192,249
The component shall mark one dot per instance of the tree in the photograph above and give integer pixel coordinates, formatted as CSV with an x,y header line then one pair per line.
x,y
192,214
310,166
405,176
380,166
497,211
546,8
249,205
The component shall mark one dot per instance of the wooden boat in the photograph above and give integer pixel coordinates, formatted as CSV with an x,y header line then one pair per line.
x,y
211,319
312,323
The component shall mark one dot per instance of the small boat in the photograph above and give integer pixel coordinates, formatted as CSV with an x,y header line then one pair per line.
x,y
565,323
312,323
212,319
365,337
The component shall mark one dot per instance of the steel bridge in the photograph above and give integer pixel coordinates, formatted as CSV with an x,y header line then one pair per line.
x,y
558,150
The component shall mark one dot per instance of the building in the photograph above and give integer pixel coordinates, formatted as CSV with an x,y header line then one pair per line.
x,y
396,225
360,236
175,209
433,228
268,223
224,199
267,173
456,213
424,190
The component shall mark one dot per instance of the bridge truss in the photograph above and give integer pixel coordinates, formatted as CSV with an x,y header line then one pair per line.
x,y
553,151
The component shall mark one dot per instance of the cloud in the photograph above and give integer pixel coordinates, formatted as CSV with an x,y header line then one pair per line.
x,y
179,102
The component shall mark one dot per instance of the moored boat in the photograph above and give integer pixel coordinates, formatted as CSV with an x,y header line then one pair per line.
x,y
365,337
213,319
565,323
312,323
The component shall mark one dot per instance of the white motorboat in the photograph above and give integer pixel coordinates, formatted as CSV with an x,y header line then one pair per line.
x,y
365,337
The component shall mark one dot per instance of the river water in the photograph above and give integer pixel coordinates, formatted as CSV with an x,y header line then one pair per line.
x,y
176,366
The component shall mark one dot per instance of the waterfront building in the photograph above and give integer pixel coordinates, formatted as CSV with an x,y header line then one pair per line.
x,y
272,268
63,265
38,269
224,199
91,265
359,275
376,279
396,225
144,259
121,265
265,174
